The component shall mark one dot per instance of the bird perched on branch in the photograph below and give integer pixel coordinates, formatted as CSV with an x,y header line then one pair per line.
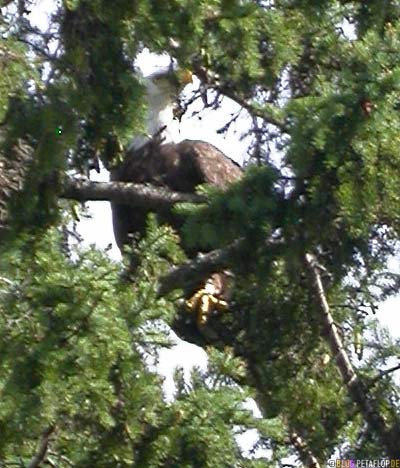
x,y
180,166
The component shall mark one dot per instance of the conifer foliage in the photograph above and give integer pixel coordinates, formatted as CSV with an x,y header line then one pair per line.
x,y
308,235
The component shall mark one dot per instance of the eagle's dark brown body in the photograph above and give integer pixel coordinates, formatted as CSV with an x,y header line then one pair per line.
x,y
179,166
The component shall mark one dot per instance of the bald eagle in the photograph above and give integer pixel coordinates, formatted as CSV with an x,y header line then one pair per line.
x,y
180,166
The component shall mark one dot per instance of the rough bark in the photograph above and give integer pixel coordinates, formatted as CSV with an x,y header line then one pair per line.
x,y
147,196
13,169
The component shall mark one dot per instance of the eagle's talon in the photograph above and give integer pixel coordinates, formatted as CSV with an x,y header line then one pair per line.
x,y
205,303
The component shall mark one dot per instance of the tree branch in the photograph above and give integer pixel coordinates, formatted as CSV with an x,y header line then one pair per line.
x,y
303,450
268,112
192,272
142,195
38,458
389,437
382,373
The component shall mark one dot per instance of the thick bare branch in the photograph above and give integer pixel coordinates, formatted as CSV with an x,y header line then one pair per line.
x,y
40,455
143,195
189,274
304,451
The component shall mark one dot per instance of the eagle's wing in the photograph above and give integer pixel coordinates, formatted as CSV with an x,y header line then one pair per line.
x,y
180,167
208,163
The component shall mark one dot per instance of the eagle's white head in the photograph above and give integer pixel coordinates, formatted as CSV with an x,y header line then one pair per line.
x,y
162,90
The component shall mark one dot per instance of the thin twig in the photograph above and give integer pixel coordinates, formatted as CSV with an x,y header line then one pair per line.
x,y
383,373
